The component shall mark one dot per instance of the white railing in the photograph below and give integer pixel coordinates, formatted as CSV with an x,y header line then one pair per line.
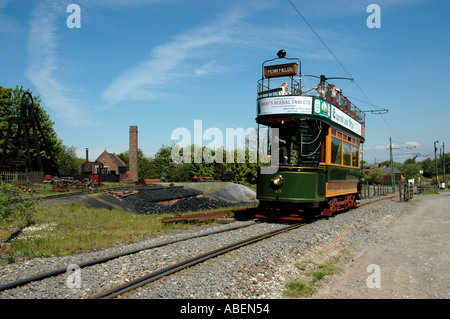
x,y
309,86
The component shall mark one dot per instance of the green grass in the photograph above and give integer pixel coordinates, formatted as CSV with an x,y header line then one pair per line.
x,y
313,274
430,191
299,288
61,228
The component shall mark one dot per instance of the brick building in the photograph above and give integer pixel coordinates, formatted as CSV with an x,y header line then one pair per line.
x,y
109,165
399,178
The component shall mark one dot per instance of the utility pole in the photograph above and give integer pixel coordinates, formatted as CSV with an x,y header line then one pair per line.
x,y
435,163
443,163
392,165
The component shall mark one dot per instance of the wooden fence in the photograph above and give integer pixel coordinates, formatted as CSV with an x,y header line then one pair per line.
x,y
368,191
406,191
21,177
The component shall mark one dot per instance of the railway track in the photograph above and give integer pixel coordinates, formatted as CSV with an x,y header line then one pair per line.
x,y
123,288
60,271
119,290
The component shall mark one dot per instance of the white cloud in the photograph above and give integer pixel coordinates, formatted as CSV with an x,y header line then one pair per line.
x,y
198,52
42,68
412,144
187,53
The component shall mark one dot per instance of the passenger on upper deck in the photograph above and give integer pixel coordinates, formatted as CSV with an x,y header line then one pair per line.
x,y
338,97
320,91
345,104
284,89
330,95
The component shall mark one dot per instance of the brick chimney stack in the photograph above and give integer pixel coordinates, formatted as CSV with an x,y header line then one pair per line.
x,y
133,154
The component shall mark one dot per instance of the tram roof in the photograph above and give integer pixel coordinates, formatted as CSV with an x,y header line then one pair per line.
x,y
304,96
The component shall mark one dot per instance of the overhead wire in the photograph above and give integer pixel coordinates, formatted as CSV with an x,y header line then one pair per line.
x,y
342,66
331,52
400,139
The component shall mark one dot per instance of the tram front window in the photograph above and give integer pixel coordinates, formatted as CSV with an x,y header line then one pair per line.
x,y
299,143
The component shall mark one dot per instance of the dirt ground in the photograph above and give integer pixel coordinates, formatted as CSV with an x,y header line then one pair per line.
x,y
414,264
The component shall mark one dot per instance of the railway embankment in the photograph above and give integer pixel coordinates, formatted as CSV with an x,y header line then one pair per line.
x,y
407,240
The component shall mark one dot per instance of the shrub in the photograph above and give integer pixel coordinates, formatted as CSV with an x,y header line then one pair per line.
x,y
15,204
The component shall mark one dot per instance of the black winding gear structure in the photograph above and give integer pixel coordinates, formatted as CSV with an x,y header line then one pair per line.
x,y
26,139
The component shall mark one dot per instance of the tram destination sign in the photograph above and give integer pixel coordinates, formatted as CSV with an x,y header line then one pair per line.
x,y
346,121
272,71
331,112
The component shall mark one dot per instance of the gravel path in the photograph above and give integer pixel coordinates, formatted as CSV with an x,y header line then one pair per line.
x,y
258,271
412,257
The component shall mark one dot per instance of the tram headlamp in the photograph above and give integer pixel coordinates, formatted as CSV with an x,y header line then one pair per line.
x,y
278,180
281,54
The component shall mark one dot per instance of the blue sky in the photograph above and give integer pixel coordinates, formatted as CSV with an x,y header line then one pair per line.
x,y
161,64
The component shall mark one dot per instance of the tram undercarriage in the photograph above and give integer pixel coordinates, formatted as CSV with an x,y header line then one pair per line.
x,y
301,212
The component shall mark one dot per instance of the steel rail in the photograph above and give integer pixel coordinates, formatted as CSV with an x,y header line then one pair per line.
x,y
56,272
59,271
373,200
116,291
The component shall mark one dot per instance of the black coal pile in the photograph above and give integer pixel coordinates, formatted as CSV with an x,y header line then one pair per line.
x,y
167,200
197,203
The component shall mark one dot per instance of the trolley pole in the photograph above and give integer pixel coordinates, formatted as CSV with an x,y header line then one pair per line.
x,y
392,165
435,163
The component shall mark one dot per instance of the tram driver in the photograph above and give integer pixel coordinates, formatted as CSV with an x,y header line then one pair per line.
x,y
282,151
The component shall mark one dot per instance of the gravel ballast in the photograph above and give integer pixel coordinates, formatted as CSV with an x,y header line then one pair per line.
x,y
257,271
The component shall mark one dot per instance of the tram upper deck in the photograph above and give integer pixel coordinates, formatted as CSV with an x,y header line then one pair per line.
x,y
281,92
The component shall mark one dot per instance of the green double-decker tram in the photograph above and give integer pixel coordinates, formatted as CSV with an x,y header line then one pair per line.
x,y
309,141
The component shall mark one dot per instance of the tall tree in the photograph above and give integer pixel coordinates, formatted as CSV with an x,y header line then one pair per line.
x,y
68,163
144,164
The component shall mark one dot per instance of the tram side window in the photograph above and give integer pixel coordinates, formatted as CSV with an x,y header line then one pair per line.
x,y
347,153
355,156
335,151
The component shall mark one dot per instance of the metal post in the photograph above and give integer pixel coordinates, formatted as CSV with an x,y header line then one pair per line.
x,y
443,163
435,162
392,165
